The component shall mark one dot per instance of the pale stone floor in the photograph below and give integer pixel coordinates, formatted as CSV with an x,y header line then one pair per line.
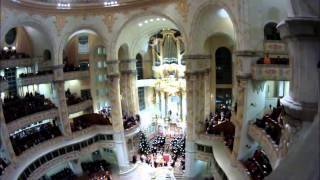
x,y
144,172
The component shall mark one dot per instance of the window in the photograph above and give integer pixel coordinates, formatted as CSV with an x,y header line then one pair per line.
x,y
139,66
83,46
271,31
223,66
142,104
11,36
223,97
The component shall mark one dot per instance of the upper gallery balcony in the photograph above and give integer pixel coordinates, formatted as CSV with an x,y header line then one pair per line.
x,y
71,72
41,77
77,104
20,108
11,59
131,125
87,120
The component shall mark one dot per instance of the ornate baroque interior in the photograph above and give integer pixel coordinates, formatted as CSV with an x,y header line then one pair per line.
x,y
155,90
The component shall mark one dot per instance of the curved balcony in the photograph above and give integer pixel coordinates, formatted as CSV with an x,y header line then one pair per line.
x,y
274,72
80,106
26,120
132,130
33,154
271,149
3,85
76,75
38,79
18,62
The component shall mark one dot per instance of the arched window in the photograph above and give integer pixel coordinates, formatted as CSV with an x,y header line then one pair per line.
x,y
139,66
46,55
223,66
271,31
11,36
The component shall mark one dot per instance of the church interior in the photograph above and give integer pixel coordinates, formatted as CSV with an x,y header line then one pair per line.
x,y
159,89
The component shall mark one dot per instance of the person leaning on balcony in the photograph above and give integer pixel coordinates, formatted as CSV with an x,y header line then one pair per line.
x,y
266,59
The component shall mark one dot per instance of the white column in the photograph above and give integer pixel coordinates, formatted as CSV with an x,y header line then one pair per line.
x,y
302,35
116,116
60,100
76,168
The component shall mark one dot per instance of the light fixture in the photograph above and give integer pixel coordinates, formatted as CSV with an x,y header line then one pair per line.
x,y
5,48
151,20
163,19
158,19
146,21
140,24
13,48
111,3
63,5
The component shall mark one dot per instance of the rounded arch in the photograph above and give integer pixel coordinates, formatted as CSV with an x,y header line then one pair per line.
x,y
40,35
209,6
271,32
76,31
117,42
123,52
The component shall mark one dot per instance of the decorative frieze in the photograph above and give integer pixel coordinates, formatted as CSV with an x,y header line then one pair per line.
x,y
274,72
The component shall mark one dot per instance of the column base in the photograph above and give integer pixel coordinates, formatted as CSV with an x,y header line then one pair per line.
x,y
299,110
190,160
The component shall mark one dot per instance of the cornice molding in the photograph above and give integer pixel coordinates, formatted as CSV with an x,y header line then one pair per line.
x,y
81,10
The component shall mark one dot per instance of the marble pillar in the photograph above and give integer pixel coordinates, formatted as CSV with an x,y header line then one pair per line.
x,y
302,35
75,166
128,86
60,100
116,115
196,66
6,144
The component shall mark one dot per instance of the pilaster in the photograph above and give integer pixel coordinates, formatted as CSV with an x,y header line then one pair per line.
x,y
60,100
5,139
128,86
76,167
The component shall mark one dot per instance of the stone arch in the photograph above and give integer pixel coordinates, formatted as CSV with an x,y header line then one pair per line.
x,y
76,30
215,5
117,43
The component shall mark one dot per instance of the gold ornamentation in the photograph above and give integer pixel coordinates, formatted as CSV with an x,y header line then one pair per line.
x,y
183,9
60,22
109,20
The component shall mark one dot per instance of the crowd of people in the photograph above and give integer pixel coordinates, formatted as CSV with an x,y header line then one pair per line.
x,y
272,123
3,166
87,120
65,174
219,123
97,170
158,153
72,98
278,60
11,53
106,112
39,73
130,121
258,166
33,136
15,107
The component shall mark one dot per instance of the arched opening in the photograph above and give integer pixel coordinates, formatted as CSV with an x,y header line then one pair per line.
x,y
271,32
139,66
223,65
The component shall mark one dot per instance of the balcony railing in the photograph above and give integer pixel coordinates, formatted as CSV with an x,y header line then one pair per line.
x,y
39,79
82,142
71,75
132,130
80,106
27,120
271,72
275,47
268,145
21,62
